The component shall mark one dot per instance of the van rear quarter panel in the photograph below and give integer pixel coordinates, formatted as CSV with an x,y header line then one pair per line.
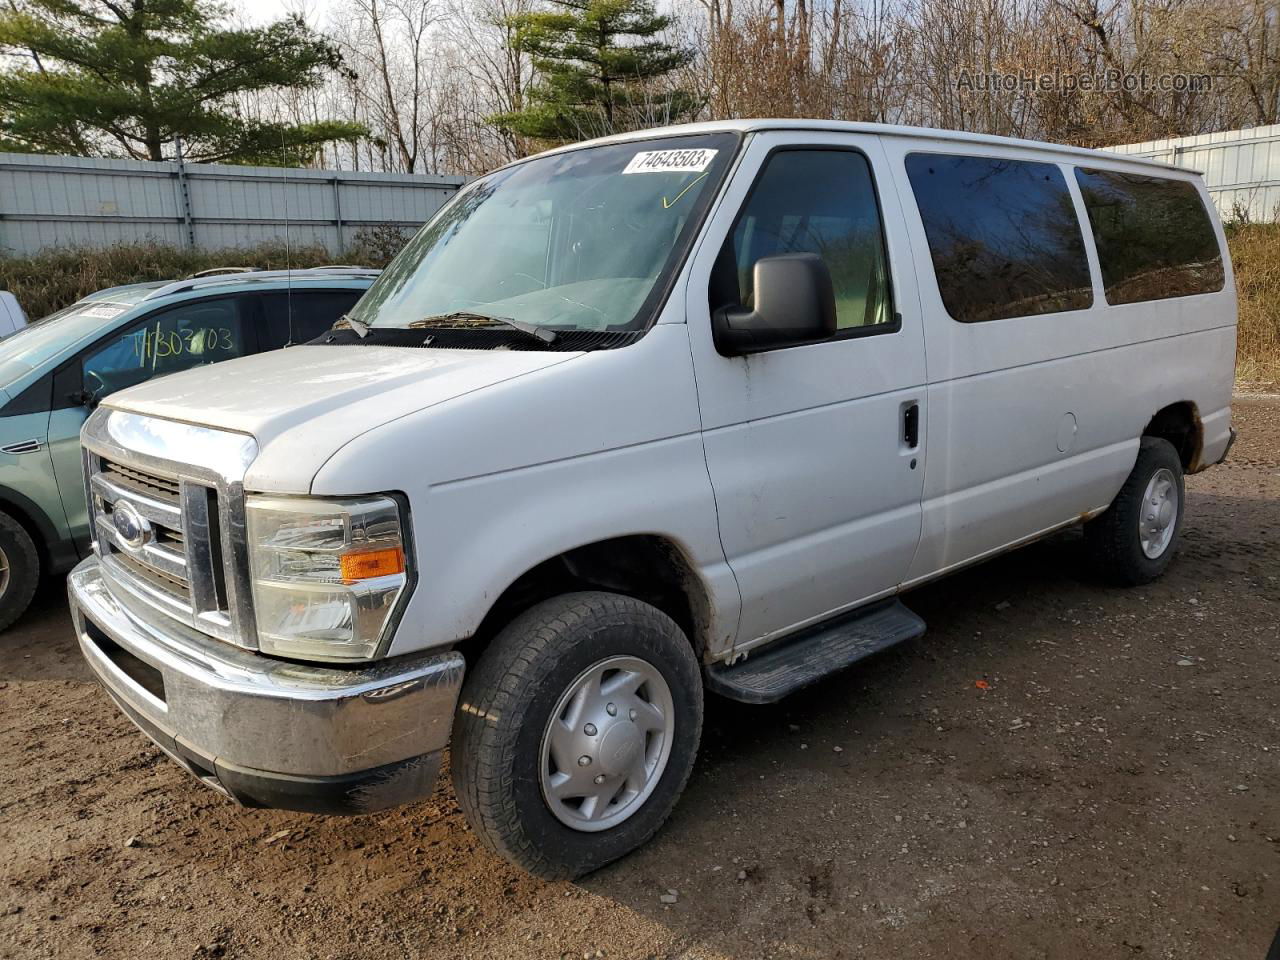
x,y
1004,395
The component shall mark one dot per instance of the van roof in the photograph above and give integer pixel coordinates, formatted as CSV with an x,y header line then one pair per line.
x,y
749,125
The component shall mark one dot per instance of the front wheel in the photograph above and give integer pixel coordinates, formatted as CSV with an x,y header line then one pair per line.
x,y
576,732
19,570
1134,540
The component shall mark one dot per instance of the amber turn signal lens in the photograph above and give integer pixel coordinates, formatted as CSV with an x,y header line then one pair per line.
x,y
372,563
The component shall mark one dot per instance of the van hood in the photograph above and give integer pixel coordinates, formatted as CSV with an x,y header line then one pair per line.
x,y
303,403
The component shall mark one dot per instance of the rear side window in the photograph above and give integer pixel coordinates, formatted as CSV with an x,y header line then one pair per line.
x,y
1154,237
1003,235
313,313
813,201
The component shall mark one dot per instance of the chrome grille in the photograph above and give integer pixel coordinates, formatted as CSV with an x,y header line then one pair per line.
x,y
148,484
177,587
179,545
161,560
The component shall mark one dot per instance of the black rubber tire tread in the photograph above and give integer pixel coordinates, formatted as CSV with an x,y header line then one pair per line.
x,y
24,570
1112,538
507,698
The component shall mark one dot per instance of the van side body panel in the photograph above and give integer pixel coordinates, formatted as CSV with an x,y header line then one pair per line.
x,y
1035,421
1027,424
819,497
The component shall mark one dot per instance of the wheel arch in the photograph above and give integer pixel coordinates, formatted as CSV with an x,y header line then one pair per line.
x,y
650,567
1180,424
40,528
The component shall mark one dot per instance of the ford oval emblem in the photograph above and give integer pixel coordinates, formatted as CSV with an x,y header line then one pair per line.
x,y
133,528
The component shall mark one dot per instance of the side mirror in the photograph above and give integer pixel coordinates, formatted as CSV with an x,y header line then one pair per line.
x,y
795,303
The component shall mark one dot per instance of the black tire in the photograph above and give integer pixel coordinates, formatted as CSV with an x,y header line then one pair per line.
x,y
23,563
507,702
1113,538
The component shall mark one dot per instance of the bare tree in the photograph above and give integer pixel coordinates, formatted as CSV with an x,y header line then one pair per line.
x,y
428,74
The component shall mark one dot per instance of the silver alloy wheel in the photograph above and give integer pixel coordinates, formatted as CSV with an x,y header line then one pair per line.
x,y
4,572
1159,515
607,743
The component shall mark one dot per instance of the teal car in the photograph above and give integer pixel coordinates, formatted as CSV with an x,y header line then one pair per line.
x,y
55,371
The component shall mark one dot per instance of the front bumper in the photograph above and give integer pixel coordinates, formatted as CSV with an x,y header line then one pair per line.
x,y
268,732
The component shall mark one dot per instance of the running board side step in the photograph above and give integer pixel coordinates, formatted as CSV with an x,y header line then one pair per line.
x,y
790,665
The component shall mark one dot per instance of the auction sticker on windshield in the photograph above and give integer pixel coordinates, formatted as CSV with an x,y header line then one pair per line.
x,y
104,311
670,161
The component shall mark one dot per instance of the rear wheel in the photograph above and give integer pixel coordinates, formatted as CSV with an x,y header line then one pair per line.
x,y
19,570
576,732
1134,540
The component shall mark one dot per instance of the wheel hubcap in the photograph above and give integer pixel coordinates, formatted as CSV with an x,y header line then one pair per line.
x,y
606,743
1159,514
4,572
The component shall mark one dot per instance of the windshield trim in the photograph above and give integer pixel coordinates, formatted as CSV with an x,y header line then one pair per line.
x,y
660,292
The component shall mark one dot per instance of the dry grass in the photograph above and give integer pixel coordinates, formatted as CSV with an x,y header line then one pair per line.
x,y
1255,253
59,277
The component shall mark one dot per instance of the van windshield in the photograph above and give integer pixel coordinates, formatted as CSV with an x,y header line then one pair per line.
x,y
580,240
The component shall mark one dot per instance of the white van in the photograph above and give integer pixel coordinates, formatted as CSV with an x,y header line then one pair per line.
x,y
682,410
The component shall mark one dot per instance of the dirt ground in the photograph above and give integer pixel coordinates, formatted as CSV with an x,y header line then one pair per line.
x,y
1110,789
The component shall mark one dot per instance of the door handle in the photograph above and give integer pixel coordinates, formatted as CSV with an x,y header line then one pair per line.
x,y
911,425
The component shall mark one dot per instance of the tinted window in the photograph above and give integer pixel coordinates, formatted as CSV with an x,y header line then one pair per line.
x,y
812,201
188,335
313,311
1154,236
1003,235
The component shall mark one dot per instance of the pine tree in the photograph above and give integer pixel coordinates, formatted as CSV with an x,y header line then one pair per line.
x,y
112,77
600,64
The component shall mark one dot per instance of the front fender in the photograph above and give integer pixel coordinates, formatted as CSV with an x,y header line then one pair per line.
x,y
474,538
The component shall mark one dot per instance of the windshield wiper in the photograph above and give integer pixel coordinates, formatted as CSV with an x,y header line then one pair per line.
x,y
469,317
359,326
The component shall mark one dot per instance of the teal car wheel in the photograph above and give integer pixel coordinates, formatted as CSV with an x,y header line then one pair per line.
x,y
19,570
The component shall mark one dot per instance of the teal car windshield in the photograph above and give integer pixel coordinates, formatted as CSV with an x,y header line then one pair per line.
x,y
42,341
579,240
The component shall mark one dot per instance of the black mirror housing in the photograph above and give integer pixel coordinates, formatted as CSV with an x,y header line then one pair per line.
x,y
795,303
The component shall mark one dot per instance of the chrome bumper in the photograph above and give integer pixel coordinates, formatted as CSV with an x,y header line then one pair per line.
x,y
269,732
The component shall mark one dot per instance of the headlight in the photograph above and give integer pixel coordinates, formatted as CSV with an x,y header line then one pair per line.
x,y
327,574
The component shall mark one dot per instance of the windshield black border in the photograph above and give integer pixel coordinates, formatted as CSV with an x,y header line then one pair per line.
x,y
647,314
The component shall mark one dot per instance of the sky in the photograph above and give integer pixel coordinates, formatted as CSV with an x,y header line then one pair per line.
x,y
265,11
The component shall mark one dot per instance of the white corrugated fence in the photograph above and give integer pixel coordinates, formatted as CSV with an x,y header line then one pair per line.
x,y
48,201
1241,167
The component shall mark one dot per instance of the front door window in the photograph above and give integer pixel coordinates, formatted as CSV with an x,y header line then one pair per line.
x,y
188,335
813,201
